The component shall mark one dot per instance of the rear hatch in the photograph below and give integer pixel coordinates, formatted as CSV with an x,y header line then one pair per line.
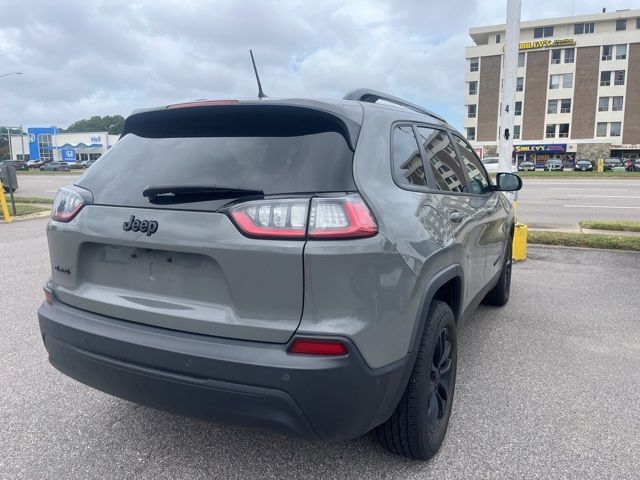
x,y
157,244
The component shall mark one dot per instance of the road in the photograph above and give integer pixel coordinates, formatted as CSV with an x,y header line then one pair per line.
x,y
543,203
548,387
562,203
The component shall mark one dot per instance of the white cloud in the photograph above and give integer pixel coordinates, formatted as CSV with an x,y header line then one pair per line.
x,y
95,57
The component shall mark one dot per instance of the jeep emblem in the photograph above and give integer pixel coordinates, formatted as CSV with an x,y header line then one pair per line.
x,y
145,226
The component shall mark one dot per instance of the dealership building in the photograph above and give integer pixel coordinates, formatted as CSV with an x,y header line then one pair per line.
x,y
47,144
577,90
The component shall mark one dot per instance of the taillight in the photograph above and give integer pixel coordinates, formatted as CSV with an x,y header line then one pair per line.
x,y
343,217
330,217
48,296
308,346
67,204
272,218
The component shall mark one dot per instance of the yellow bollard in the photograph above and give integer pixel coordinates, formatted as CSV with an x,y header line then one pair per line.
x,y
519,250
3,204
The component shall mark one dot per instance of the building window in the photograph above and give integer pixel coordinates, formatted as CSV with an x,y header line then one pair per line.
x,y
516,132
567,80
473,64
563,130
473,88
471,133
471,111
605,79
521,57
554,81
519,84
518,109
621,24
551,131
619,77
580,28
555,56
621,52
603,104
617,104
569,55
552,106
498,38
601,129
614,129
565,105
638,23
607,51
543,32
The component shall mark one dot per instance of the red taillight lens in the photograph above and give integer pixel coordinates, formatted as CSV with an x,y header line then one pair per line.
x,y
307,346
48,297
344,217
272,218
66,205
330,217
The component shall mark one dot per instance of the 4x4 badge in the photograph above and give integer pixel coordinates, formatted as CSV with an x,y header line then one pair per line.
x,y
145,226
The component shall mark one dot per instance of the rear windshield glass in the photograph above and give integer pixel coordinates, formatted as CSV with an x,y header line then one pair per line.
x,y
299,163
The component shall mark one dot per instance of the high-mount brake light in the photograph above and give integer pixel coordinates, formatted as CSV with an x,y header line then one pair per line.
x,y
309,346
67,205
204,103
330,218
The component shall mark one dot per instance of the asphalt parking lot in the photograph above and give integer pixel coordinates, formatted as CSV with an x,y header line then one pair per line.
x,y
548,387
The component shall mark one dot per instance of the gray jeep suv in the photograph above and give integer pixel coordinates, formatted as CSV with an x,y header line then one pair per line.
x,y
300,266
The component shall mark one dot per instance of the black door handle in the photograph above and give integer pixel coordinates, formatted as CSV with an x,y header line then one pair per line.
x,y
456,216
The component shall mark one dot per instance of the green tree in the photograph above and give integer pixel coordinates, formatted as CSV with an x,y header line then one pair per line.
x,y
109,123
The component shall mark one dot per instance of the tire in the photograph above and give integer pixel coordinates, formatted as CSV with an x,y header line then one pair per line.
x,y
499,295
419,423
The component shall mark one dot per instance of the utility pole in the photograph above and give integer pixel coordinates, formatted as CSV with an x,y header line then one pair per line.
x,y
22,142
509,74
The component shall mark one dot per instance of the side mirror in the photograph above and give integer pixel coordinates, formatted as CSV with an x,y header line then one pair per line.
x,y
508,182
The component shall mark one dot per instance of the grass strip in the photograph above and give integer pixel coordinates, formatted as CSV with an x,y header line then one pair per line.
x,y
618,225
18,199
587,240
27,209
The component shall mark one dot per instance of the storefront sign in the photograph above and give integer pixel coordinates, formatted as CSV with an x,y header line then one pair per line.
x,y
627,146
68,155
561,42
542,148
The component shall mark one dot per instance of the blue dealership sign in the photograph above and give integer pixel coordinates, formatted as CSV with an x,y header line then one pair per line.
x,y
68,155
35,143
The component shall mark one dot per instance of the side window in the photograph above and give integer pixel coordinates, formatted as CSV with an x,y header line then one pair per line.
x,y
407,162
478,181
442,159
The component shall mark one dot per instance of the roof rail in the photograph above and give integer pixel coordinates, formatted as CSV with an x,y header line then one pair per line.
x,y
372,96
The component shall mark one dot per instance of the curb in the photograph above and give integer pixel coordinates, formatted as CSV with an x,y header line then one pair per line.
x,y
31,216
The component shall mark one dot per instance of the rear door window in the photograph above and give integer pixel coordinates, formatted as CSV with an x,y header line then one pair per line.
x,y
407,161
478,180
442,159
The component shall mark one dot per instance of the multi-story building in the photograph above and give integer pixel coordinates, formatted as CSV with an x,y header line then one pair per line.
x,y
577,90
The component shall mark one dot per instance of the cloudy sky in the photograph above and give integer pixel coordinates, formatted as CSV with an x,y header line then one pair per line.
x,y
91,57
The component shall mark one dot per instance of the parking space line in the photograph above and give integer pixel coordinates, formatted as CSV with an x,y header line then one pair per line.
x,y
601,206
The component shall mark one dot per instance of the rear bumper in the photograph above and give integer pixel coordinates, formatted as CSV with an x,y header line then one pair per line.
x,y
250,384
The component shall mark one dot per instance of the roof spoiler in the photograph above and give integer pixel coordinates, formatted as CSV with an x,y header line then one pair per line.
x,y
372,96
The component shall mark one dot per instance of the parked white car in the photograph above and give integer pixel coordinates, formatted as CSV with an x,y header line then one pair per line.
x,y
491,164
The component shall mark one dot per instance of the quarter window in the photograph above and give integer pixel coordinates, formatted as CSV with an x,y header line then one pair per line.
x,y
442,159
478,182
407,162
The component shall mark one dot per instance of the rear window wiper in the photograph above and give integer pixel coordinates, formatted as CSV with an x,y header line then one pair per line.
x,y
194,193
